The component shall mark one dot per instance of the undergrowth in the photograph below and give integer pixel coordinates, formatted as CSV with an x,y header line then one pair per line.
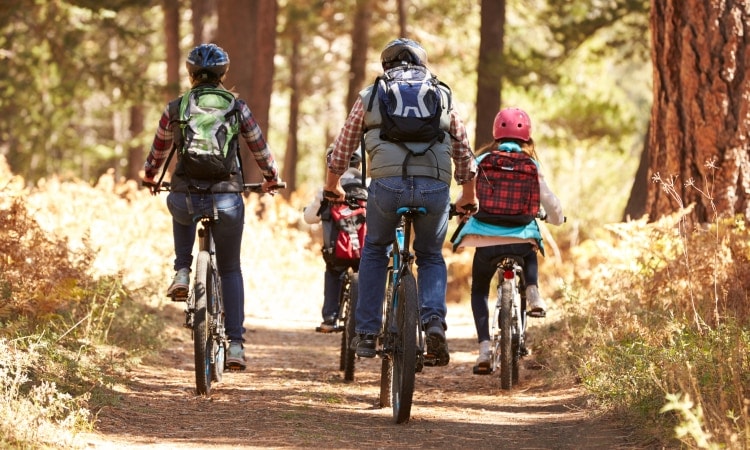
x,y
655,317
658,328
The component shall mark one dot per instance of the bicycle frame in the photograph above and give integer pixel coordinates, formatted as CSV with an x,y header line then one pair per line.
x,y
508,331
204,305
402,349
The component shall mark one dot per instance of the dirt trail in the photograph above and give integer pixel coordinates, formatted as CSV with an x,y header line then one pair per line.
x,y
294,396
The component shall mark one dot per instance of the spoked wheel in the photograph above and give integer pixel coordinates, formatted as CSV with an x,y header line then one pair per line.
x,y
506,345
202,341
404,351
386,366
347,352
216,336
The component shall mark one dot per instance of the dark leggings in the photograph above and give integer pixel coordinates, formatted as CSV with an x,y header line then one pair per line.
x,y
482,272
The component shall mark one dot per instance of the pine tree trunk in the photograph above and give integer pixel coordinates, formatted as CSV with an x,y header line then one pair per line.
x,y
701,111
489,69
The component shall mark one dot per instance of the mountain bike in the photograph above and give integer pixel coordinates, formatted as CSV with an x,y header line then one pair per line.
x,y
204,305
348,293
345,320
508,330
401,339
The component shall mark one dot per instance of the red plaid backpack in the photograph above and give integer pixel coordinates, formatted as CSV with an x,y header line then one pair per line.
x,y
507,188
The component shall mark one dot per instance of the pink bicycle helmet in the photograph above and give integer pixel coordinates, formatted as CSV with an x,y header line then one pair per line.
x,y
512,123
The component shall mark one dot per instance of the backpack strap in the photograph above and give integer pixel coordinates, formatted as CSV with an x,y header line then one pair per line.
x,y
172,111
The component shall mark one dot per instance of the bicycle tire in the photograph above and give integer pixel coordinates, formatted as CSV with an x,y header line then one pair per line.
x,y
506,355
217,335
342,316
349,352
404,351
386,366
201,337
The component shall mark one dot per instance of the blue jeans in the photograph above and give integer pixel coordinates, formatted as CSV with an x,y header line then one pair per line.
x,y
331,288
385,196
482,272
228,239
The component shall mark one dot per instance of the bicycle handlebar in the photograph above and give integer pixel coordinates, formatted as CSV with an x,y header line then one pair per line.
x,y
468,208
247,187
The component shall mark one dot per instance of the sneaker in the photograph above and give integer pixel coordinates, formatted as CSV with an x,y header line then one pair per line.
x,y
534,303
483,366
364,345
327,325
178,290
236,356
437,349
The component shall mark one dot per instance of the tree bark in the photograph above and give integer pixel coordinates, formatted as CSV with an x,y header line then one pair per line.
x,y
289,173
636,206
247,31
489,68
360,42
700,117
172,37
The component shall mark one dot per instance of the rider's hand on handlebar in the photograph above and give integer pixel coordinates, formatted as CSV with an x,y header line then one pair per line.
x,y
270,185
336,194
151,184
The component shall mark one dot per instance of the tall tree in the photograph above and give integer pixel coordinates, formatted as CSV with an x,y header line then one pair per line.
x,y
700,119
360,42
247,31
172,38
289,173
489,68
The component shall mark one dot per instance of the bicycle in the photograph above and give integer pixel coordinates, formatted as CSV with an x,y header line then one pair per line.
x,y
401,339
348,294
204,305
508,330
345,320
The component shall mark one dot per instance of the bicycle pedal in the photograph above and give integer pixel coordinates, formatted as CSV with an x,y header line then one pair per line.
x,y
482,370
538,314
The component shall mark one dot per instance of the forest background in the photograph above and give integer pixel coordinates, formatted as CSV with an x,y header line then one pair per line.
x,y
85,82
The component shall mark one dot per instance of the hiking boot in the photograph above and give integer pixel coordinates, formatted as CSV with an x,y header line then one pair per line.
x,y
236,356
365,345
534,303
328,325
178,290
484,363
437,349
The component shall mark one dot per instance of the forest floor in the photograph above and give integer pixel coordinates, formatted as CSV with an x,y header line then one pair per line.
x,y
292,395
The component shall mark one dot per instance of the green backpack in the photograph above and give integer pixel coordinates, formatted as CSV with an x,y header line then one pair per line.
x,y
210,123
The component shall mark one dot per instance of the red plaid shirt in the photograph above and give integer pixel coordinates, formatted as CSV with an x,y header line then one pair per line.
x,y
348,141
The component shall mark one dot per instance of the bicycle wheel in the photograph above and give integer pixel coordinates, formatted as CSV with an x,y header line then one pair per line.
x,y
405,349
386,365
348,353
506,351
217,335
201,334
343,315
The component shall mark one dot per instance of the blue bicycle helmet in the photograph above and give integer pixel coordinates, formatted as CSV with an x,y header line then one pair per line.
x,y
403,51
206,62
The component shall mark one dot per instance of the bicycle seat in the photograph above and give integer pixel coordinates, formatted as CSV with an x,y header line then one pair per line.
x,y
497,260
411,211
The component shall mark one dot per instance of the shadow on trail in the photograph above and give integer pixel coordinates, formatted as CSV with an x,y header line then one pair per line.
x,y
293,395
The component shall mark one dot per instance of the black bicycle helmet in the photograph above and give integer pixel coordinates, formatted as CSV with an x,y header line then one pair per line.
x,y
403,51
207,62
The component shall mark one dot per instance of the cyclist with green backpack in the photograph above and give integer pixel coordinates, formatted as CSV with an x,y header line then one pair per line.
x,y
203,127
